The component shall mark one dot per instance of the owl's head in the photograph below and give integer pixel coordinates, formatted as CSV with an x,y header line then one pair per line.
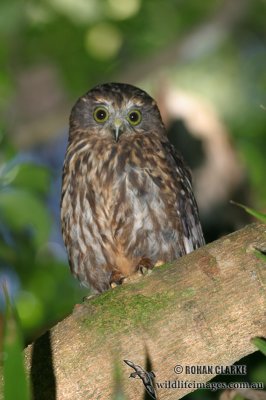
x,y
115,110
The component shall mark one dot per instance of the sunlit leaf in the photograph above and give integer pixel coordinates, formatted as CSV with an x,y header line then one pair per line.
x,y
8,174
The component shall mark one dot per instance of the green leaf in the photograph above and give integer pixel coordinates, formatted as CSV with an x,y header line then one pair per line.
x,y
15,380
260,344
260,216
8,174
32,177
21,209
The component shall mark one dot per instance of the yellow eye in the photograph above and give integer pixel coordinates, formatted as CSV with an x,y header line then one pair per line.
x,y
134,117
100,114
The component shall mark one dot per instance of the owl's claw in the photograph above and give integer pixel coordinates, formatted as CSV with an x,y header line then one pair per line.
x,y
116,279
145,271
115,284
145,266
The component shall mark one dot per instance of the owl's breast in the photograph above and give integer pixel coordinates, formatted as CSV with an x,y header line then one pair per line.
x,y
125,183
139,213
128,186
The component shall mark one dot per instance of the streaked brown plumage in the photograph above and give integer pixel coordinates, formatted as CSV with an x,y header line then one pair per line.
x,y
127,201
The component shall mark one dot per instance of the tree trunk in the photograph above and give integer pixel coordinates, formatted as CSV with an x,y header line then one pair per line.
x,y
201,310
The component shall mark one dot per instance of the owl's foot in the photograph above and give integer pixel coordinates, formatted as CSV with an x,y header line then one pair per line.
x,y
145,266
116,279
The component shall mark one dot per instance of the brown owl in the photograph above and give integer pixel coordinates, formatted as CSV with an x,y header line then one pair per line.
x,y
127,201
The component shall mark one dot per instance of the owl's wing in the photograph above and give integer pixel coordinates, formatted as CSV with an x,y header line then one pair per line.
x,y
186,202
175,181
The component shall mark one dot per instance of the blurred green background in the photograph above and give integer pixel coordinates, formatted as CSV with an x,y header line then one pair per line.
x,y
204,63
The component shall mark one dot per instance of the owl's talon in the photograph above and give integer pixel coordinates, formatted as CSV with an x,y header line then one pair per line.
x,y
116,279
145,270
123,280
145,266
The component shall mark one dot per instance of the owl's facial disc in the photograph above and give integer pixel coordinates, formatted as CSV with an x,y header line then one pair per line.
x,y
115,118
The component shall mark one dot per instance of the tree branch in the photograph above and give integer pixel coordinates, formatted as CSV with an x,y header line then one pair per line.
x,y
201,310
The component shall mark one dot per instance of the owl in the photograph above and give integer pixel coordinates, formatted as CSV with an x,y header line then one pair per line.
x,y
127,202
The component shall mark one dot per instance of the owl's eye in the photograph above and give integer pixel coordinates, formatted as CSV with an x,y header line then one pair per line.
x,y
134,117
100,114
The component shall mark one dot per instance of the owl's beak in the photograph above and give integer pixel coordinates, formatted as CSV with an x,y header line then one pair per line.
x,y
118,128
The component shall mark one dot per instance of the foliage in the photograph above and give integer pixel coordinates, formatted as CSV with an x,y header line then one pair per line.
x,y
32,271
13,356
259,215
260,344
